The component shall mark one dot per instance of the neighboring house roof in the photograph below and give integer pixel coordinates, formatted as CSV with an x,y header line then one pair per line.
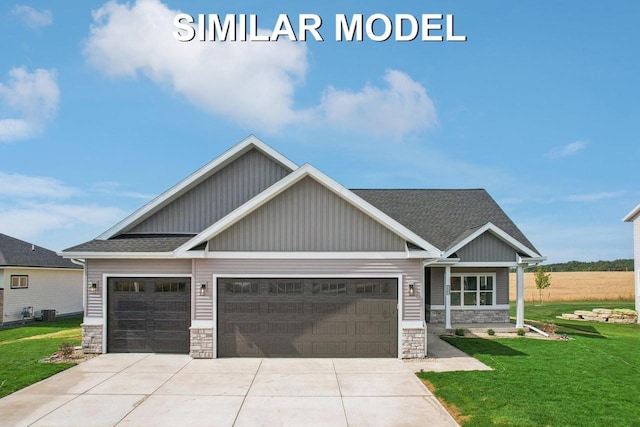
x,y
18,253
133,243
443,217
631,216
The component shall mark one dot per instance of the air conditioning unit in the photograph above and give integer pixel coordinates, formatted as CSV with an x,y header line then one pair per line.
x,y
27,312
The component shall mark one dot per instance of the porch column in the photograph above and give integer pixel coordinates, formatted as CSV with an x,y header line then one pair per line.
x,y
520,296
447,297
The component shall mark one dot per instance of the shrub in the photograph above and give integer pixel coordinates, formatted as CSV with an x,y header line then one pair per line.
x,y
521,332
491,332
459,332
66,349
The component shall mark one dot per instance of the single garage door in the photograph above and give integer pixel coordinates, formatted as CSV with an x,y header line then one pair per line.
x,y
148,314
307,317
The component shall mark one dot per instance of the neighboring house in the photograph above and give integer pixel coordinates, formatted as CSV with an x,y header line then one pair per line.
x,y
33,279
634,217
253,255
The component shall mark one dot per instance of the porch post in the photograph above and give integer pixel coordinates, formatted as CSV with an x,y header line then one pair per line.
x,y
447,297
520,296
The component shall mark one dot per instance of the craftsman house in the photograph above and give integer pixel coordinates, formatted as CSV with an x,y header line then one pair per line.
x,y
34,279
253,255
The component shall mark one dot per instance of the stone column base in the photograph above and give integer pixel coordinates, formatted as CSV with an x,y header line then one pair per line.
x,y
413,340
201,343
92,338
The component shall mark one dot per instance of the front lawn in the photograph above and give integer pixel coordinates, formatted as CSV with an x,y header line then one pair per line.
x,y
591,380
21,348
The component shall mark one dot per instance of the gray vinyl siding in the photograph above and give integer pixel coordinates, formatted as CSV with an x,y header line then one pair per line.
x,y
307,217
502,282
151,267
487,248
410,269
216,196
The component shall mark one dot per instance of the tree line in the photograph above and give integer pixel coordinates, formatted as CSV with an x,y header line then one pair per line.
x,y
616,265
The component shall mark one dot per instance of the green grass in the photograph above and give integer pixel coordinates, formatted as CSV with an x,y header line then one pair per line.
x,y
22,347
591,380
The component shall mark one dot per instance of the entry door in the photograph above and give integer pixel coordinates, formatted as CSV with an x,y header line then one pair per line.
x,y
148,315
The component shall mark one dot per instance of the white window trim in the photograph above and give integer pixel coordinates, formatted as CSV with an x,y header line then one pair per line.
x,y
462,291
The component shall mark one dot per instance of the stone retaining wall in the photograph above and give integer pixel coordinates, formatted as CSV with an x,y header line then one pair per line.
x,y
603,315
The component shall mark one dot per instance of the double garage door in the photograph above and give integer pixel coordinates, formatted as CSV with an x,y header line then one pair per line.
x,y
307,317
148,315
259,317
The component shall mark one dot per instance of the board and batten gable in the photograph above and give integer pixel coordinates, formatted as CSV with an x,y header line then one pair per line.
x,y
487,248
58,289
96,268
215,197
409,269
307,217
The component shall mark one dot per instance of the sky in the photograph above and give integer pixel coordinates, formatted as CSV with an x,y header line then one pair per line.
x,y
102,109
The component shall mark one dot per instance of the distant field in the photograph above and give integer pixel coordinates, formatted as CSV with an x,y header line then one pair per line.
x,y
577,286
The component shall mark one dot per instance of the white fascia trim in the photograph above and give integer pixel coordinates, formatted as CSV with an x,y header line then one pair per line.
x,y
119,255
471,307
96,321
19,267
287,182
632,215
498,232
306,255
486,264
220,161
208,324
531,260
440,262
413,324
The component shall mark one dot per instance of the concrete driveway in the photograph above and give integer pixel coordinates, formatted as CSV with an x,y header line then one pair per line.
x,y
174,390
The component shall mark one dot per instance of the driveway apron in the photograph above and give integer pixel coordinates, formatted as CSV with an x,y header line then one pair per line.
x,y
169,390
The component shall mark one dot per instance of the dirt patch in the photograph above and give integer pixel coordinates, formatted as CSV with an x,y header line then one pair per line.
x,y
77,356
451,409
70,334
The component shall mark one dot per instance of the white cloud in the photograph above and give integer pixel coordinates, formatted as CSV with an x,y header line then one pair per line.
x,y
402,107
23,186
114,188
34,97
33,18
594,196
251,83
30,220
567,150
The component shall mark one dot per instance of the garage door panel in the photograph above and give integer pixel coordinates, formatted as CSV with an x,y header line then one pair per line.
x,y
148,315
308,318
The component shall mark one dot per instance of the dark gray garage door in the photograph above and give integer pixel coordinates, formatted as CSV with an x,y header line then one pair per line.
x,y
307,317
148,315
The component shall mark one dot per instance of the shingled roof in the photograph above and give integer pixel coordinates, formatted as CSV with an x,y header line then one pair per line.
x,y
443,217
18,253
133,243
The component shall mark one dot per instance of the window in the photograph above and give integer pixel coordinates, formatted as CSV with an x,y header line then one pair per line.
x,y
282,287
240,287
170,286
19,282
128,286
472,290
373,287
330,288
